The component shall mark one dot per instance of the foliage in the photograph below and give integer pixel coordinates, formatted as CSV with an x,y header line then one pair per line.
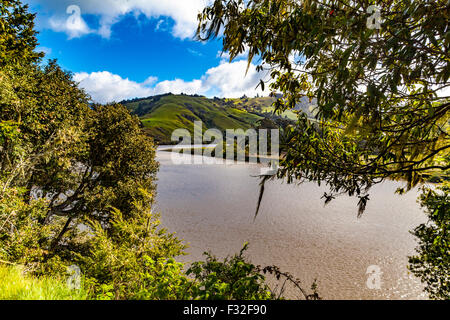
x,y
22,239
232,279
14,285
235,278
82,159
432,264
288,278
77,187
17,35
134,258
63,162
382,110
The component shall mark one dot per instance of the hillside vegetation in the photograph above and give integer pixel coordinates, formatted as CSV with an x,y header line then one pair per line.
x,y
77,188
162,114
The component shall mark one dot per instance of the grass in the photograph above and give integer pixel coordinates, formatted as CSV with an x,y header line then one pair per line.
x,y
291,115
15,285
161,115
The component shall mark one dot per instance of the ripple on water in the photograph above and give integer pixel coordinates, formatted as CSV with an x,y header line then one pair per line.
x,y
212,206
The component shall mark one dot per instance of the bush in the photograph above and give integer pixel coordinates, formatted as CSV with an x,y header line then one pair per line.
x,y
432,264
21,237
238,279
134,258
232,279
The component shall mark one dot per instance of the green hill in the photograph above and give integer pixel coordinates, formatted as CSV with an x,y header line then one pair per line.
x,y
162,114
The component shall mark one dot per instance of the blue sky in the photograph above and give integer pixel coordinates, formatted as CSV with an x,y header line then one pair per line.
x,y
119,49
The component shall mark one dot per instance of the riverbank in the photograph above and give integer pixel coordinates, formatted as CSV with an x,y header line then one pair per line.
x,y
434,178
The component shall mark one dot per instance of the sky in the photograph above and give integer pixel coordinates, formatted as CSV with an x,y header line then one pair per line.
x,y
124,49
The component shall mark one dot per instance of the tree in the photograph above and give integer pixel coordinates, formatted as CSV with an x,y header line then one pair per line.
x,y
83,160
432,264
17,34
382,110
134,258
382,94
78,160
77,184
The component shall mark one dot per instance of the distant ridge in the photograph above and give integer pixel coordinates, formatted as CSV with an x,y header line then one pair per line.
x,y
162,114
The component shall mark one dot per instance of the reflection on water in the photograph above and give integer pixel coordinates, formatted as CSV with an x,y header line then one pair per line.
x,y
211,207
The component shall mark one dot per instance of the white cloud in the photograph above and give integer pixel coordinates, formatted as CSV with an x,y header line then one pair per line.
x,y
150,81
107,87
178,86
183,12
226,80
229,79
73,25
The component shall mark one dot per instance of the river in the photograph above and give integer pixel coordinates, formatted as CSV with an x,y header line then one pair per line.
x,y
211,207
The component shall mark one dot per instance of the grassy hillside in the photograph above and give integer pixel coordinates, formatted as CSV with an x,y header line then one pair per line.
x,y
263,105
161,115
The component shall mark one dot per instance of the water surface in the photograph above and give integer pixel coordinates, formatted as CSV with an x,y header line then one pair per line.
x,y
211,207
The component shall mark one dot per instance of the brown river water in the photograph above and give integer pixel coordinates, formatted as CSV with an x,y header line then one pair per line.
x,y
211,207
